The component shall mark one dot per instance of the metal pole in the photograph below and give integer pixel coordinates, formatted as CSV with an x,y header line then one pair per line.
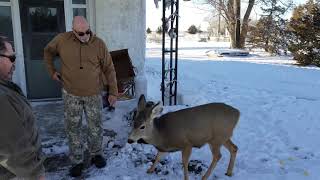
x,y
176,58
163,48
171,54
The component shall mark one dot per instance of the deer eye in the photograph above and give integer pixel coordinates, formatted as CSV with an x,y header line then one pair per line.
x,y
142,127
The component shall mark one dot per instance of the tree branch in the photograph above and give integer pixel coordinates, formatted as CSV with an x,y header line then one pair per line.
x,y
248,11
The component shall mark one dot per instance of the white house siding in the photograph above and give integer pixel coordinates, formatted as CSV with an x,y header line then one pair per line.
x,y
122,25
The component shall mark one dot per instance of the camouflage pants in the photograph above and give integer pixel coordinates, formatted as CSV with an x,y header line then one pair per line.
x,y
74,106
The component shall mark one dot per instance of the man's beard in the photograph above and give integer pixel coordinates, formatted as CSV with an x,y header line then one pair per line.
x,y
84,40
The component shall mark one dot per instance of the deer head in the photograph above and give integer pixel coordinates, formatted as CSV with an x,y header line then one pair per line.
x,y
143,120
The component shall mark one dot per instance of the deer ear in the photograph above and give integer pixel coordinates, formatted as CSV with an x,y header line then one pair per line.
x,y
157,109
142,103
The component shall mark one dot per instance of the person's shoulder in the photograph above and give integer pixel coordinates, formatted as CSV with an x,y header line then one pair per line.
x,y
4,95
10,97
64,35
98,40
3,90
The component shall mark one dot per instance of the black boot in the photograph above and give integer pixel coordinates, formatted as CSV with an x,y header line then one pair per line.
x,y
76,170
99,161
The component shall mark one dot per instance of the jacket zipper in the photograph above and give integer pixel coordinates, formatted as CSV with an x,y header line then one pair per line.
x,y
80,57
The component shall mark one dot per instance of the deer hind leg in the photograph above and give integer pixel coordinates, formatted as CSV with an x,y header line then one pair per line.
x,y
156,161
233,153
215,149
186,152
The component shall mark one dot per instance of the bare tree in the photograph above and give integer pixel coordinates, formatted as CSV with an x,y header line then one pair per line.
x,y
230,11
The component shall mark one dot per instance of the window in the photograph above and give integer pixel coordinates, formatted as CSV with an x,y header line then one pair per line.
x,y
79,2
79,8
83,8
6,28
38,15
80,12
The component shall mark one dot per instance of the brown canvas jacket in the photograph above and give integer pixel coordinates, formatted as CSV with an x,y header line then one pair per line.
x,y
20,146
83,65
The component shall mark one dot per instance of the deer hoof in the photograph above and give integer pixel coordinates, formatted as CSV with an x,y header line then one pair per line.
x,y
228,174
149,171
204,178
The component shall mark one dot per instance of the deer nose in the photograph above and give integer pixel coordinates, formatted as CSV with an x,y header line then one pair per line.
x,y
130,141
142,141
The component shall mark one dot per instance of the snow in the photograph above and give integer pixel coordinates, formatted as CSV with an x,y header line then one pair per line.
x,y
277,132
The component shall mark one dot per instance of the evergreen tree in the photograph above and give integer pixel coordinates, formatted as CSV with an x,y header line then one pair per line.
x,y
270,32
148,30
192,29
305,33
159,30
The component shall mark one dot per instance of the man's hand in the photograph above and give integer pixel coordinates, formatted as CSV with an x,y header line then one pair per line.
x,y
57,77
112,100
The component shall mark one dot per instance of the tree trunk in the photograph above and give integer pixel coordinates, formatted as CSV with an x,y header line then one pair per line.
x,y
245,24
244,31
231,16
266,45
237,5
232,32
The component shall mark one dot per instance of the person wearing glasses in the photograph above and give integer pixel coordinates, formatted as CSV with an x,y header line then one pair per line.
x,y
85,61
20,147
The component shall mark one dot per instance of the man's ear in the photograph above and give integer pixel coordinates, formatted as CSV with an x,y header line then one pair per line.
x,y
156,110
142,103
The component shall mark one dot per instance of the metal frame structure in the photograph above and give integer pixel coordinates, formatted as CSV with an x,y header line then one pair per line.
x,y
170,54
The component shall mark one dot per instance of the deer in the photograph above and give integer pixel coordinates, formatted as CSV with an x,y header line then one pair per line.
x,y
185,129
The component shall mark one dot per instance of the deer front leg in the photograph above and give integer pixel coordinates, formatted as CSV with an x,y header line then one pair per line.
x,y
156,161
186,152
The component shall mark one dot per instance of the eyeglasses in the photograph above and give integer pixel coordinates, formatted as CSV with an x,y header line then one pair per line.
x,y
83,33
12,57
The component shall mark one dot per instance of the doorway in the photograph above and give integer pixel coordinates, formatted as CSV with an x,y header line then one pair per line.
x,y
41,21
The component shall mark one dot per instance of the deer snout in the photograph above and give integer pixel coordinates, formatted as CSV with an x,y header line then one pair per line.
x,y
130,141
142,141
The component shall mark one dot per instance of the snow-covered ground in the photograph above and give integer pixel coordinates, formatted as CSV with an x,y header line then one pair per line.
x,y
279,128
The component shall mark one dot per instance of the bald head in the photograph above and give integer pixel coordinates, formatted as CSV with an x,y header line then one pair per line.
x,y
80,23
81,29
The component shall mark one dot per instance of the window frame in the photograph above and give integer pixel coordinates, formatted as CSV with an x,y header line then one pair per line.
x,y
89,6
19,75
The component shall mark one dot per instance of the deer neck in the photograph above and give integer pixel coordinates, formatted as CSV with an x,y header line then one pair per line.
x,y
157,138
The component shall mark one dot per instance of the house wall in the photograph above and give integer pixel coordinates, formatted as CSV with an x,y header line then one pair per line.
x,y
121,24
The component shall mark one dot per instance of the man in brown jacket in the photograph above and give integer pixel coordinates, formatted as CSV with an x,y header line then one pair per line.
x,y
20,148
84,61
